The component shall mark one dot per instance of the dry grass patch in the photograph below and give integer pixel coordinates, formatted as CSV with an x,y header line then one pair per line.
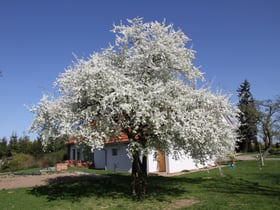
x,y
177,204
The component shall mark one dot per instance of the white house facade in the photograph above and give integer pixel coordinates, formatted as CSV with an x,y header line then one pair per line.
x,y
75,150
114,157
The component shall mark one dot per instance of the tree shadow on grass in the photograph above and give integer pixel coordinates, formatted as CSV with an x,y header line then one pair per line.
x,y
112,186
76,187
163,188
160,188
233,185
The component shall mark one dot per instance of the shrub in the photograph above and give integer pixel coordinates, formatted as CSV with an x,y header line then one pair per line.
x,y
18,161
50,159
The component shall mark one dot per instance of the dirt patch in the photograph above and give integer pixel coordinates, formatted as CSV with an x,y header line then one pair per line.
x,y
19,181
177,204
185,172
246,157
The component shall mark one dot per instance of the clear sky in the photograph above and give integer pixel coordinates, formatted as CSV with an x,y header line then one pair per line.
x,y
234,40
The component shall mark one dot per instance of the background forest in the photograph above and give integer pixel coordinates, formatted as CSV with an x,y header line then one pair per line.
x,y
21,153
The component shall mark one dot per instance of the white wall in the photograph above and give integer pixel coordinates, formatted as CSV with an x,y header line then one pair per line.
x,y
76,152
173,165
152,165
100,158
119,162
184,163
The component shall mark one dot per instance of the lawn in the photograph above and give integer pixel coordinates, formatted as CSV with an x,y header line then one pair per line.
x,y
245,187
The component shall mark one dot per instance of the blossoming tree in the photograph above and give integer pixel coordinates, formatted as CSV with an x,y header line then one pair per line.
x,y
143,86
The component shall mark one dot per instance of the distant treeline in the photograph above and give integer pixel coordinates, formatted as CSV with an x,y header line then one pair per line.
x,y
24,145
19,153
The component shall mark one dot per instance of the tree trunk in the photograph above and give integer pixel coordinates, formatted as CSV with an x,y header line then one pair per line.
x,y
268,144
261,155
138,176
266,151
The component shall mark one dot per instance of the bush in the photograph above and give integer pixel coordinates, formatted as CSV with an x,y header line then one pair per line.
x,y
18,161
50,159
275,150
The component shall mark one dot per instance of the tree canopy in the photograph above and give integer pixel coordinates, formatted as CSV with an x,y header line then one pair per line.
x,y
143,86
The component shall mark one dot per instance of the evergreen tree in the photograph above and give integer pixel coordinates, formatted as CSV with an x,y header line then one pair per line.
x,y
56,144
13,144
37,148
24,145
247,117
3,147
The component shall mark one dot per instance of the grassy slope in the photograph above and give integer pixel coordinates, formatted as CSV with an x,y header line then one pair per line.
x,y
244,187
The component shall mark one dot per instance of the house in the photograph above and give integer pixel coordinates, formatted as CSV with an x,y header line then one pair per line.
x,y
75,151
78,154
114,157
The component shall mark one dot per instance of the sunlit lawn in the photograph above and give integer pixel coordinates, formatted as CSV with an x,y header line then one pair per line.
x,y
245,187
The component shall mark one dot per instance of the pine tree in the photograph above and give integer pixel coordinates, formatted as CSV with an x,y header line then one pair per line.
x,y
24,145
13,144
3,147
37,148
247,117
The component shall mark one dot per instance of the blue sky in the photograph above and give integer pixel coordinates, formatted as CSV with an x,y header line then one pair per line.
x,y
234,40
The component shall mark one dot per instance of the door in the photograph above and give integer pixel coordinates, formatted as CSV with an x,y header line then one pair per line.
x,y
161,161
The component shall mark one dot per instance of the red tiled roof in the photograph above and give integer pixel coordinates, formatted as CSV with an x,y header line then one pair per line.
x,y
71,140
121,139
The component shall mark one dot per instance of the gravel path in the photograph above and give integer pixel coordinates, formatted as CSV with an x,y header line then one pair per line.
x,y
20,181
246,157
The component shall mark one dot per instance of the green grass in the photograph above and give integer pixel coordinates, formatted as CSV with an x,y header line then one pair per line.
x,y
273,156
23,171
245,187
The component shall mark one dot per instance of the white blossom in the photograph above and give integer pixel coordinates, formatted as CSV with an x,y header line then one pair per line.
x,y
141,84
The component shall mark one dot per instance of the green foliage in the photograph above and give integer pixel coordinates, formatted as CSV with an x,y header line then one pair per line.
x,y
50,159
18,161
37,149
21,153
248,118
24,145
3,148
275,150
13,144
88,154
56,144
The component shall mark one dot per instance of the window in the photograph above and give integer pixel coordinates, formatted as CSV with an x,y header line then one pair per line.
x,y
73,154
78,154
114,152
